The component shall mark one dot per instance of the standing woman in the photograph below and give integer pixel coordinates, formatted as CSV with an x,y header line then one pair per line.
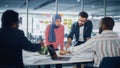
x,y
54,35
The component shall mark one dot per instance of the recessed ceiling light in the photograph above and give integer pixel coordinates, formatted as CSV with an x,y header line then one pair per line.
x,y
6,5
54,8
78,0
93,6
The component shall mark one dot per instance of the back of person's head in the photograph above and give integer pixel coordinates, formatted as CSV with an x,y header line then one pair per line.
x,y
108,22
83,14
9,17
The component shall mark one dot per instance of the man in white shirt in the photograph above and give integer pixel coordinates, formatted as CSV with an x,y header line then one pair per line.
x,y
106,44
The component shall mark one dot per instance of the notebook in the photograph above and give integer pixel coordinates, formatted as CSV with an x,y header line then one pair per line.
x,y
54,55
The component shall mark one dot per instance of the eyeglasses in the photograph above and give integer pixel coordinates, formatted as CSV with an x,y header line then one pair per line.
x,y
82,21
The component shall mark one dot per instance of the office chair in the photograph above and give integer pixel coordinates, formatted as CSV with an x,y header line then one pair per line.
x,y
110,62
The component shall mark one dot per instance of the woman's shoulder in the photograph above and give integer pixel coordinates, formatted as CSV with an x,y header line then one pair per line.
x,y
48,26
61,26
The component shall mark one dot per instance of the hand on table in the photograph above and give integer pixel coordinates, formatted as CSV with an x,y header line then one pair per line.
x,y
67,46
42,44
62,52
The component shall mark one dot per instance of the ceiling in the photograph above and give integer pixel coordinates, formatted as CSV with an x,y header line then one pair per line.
x,y
93,7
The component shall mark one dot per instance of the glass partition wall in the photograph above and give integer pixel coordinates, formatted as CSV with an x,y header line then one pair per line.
x,y
35,15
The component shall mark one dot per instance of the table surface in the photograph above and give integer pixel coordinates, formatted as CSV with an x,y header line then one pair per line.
x,y
34,58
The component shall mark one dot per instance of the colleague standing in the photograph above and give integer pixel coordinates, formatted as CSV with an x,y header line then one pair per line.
x,y
54,35
81,29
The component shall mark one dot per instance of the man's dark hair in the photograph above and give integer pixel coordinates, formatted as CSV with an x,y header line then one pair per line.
x,y
109,22
83,14
9,17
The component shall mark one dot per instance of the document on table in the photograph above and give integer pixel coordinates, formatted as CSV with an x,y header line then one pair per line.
x,y
31,57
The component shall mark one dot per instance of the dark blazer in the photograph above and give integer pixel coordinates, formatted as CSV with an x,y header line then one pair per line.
x,y
75,30
12,41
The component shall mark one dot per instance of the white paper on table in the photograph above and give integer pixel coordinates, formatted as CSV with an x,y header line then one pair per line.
x,y
84,55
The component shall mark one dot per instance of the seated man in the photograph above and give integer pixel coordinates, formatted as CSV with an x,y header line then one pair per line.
x,y
106,44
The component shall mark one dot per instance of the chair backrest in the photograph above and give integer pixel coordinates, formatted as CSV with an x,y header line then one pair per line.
x,y
110,62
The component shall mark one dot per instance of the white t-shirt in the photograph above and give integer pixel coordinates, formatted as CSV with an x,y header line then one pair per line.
x,y
81,33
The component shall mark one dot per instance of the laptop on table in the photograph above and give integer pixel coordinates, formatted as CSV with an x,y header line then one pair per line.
x,y
54,55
